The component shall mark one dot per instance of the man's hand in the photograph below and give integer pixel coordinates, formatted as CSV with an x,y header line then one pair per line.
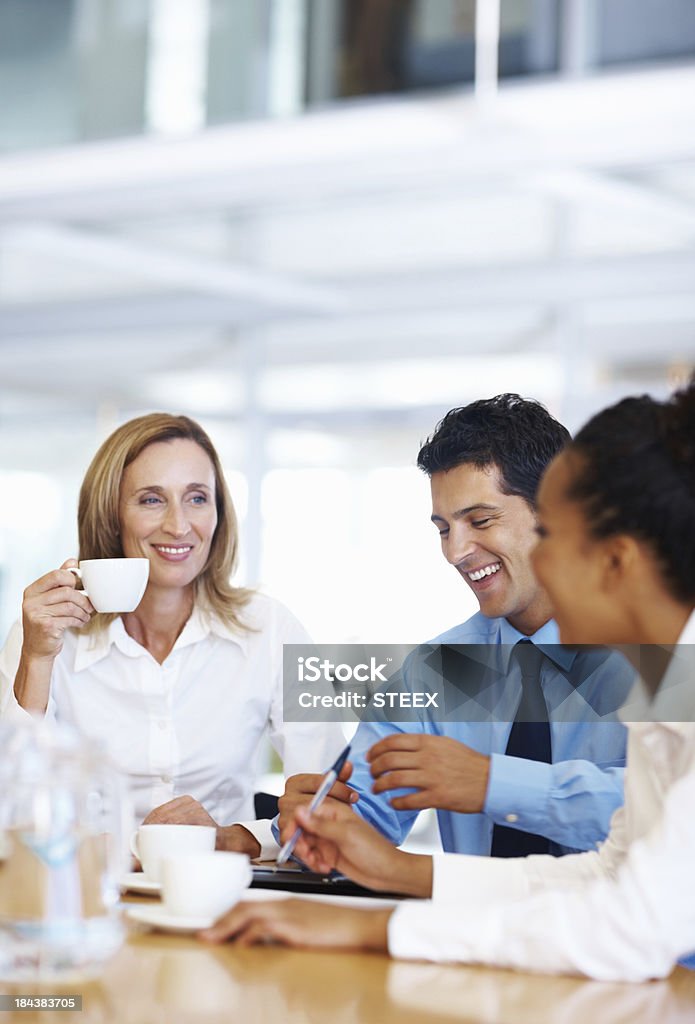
x,y
184,810
299,789
301,923
447,774
335,838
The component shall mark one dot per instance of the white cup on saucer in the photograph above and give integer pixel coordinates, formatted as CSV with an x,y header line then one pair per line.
x,y
203,885
113,584
152,843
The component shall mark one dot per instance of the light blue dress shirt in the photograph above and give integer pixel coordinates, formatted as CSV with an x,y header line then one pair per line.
x,y
570,801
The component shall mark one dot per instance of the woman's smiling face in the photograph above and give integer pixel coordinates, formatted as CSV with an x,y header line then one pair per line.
x,y
572,566
167,511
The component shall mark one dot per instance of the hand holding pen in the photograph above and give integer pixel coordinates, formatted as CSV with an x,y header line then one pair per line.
x,y
322,792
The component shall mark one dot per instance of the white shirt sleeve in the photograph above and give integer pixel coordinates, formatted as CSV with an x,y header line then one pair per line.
x,y
10,709
621,921
472,881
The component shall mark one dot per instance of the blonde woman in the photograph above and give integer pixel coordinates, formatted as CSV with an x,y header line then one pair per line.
x,y
181,689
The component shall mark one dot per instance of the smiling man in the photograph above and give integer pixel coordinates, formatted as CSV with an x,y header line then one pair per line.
x,y
544,773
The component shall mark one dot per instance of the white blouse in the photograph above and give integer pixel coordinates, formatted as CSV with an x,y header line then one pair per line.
x,y
192,725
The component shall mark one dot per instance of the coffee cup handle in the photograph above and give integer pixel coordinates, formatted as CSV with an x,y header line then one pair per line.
x,y
134,845
78,572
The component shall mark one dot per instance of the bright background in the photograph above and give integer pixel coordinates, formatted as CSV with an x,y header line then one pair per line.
x,y
316,225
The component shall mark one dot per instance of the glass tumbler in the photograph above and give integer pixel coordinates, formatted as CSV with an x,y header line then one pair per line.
x,y
64,822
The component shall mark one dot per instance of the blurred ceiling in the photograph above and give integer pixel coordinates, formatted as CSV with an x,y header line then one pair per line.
x,y
546,240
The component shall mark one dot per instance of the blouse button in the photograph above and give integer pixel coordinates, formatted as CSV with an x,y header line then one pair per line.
x,y
511,818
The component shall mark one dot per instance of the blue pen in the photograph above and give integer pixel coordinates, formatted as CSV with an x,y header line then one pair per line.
x,y
320,795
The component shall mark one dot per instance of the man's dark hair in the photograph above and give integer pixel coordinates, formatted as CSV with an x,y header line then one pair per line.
x,y
516,435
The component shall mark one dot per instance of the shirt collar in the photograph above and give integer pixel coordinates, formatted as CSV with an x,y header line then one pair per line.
x,y
93,647
547,639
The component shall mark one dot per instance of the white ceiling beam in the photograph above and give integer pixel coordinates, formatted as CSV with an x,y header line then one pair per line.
x,y
610,121
593,188
173,270
549,283
462,290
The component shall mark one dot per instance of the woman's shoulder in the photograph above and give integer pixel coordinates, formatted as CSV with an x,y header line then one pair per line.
x,y
263,614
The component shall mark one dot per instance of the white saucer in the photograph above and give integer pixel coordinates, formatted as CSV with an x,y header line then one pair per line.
x,y
157,916
136,881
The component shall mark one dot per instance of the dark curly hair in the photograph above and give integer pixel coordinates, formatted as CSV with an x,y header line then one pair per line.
x,y
635,475
516,435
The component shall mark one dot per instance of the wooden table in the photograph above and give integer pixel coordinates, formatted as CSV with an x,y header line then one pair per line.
x,y
166,979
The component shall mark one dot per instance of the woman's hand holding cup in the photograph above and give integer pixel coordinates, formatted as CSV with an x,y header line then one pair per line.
x,y
51,605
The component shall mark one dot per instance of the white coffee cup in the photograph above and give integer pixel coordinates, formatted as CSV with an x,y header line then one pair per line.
x,y
114,584
152,843
204,885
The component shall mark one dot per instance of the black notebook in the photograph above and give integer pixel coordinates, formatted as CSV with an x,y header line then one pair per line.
x,y
295,879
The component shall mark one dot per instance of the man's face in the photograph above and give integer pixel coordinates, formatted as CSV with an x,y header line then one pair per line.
x,y
489,536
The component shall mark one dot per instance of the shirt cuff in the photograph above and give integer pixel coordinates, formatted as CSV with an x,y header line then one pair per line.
x,y
419,930
262,832
414,932
518,792
472,881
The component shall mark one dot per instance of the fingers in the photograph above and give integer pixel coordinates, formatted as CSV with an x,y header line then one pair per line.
x,y
51,605
397,741
231,923
54,626
345,842
393,760
58,598
414,801
324,825
56,595
406,779
299,787
331,810
249,923
318,854
47,614
178,803
51,580
261,933
305,782
288,812
346,795
182,810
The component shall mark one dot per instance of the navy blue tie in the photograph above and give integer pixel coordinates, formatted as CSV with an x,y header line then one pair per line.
x,y
529,738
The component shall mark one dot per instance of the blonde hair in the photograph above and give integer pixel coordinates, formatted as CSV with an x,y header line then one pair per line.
x,y
98,521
